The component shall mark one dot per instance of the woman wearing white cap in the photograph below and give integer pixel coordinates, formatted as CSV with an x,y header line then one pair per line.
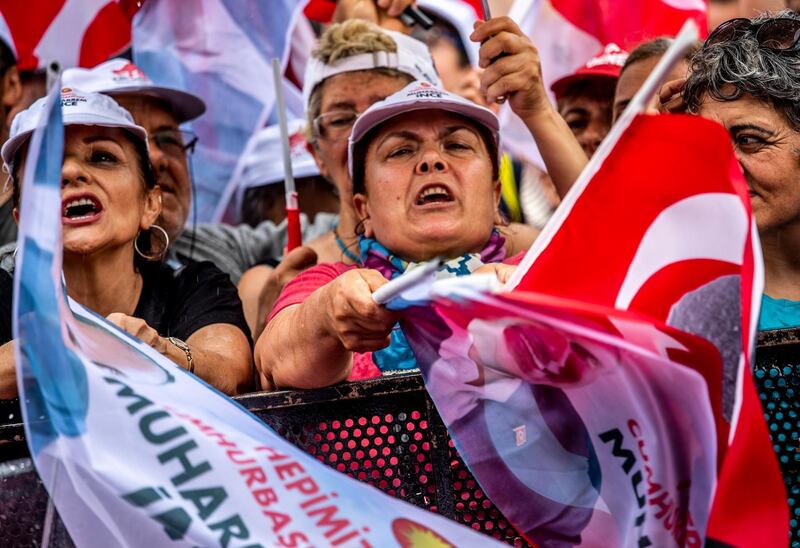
x,y
356,64
424,165
112,248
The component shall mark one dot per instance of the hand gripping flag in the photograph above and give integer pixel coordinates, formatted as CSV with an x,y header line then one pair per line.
x,y
137,452
606,400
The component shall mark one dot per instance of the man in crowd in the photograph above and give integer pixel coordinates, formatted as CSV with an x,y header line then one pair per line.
x,y
586,97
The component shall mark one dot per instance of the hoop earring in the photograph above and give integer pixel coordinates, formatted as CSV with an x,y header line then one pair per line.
x,y
152,256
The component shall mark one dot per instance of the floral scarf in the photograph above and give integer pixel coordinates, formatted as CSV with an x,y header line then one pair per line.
x,y
398,357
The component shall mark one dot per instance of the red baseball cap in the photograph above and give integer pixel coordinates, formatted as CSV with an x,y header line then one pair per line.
x,y
606,64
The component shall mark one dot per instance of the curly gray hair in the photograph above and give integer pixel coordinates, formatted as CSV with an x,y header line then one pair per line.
x,y
727,70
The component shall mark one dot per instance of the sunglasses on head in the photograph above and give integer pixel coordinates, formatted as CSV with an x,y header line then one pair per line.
x,y
781,34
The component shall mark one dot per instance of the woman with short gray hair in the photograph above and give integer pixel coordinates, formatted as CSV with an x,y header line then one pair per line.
x,y
747,77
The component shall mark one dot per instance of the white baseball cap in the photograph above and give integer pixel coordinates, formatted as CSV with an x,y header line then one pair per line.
x,y
120,76
412,57
262,162
420,96
77,108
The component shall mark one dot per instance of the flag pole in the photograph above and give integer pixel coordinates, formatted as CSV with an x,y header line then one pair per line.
x,y
292,209
406,281
487,14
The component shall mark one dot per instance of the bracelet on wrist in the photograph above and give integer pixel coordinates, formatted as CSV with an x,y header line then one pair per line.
x,y
188,351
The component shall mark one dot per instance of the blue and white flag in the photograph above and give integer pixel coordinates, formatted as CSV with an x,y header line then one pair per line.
x,y
220,50
135,451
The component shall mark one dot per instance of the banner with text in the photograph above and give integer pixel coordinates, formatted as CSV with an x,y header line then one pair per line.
x,y
135,451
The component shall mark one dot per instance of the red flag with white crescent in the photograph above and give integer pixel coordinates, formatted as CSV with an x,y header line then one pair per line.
x,y
607,398
71,32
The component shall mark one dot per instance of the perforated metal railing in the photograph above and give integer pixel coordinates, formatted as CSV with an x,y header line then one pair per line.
x,y
385,432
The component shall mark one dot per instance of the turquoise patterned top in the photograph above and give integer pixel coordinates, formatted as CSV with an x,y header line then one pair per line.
x,y
779,390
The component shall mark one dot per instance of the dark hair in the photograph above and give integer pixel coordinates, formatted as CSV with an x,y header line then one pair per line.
x,y
7,59
596,87
146,172
360,151
258,199
727,70
656,48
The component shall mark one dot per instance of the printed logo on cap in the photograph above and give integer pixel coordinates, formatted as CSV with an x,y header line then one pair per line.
x,y
424,90
70,99
127,72
612,54
297,144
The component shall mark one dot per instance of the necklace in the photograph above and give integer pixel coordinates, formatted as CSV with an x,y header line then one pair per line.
x,y
349,254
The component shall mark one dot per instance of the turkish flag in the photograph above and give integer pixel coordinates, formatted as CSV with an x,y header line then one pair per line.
x,y
644,233
605,396
71,32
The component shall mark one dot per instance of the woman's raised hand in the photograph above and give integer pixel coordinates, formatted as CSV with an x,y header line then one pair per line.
x,y
358,321
512,67
139,329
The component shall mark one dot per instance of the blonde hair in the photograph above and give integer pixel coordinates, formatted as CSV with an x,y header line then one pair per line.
x,y
352,37
343,40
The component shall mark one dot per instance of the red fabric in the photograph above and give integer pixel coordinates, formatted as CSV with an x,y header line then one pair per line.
x,y
105,36
516,259
299,289
606,64
27,26
629,24
320,10
600,261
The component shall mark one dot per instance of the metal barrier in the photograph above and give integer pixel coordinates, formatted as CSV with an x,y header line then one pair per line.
x,y
385,432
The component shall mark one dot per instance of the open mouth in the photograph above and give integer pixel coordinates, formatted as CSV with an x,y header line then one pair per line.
x,y
81,208
435,194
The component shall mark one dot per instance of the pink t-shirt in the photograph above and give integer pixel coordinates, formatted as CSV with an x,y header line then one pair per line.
x,y
299,289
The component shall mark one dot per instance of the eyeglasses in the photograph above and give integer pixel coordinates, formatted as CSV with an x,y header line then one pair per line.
x,y
335,125
780,34
174,142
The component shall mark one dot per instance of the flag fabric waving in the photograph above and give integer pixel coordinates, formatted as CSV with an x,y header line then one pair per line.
x,y
222,51
568,33
74,33
135,451
606,399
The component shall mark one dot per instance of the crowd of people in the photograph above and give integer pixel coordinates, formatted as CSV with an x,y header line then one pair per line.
x,y
399,161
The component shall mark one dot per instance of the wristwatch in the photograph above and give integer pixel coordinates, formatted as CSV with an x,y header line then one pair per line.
x,y
185,347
